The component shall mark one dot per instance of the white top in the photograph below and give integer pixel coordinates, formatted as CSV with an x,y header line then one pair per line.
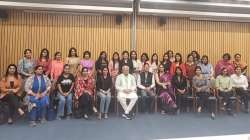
x,y
125,82
153,67
239,81
137,64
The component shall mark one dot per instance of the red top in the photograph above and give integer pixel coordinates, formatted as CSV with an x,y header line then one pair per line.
x,y
173,68
82,85
190,70
46,65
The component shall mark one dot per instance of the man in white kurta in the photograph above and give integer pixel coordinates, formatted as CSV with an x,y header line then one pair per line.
x,y
126,87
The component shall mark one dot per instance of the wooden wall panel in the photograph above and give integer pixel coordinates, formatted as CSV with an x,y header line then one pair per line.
x,y
95,33
184,35
59,33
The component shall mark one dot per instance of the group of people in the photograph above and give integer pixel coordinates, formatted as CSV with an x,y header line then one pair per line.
x,y
77,82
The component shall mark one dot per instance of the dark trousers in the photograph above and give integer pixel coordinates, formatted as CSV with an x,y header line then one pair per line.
x,y
181,100
206,101
85,103
243,96
147,101
13,103
227,98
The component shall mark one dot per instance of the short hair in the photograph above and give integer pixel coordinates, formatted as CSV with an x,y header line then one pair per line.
x,y
237,54
38,66
228,55
27,50
197,67
86,52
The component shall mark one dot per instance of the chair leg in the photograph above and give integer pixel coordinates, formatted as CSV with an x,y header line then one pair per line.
x,y
156,103
237,104
194,104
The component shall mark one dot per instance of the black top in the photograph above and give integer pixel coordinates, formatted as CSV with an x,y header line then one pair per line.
x,y
146,81
129,63
179,84
166,65
103,84
99,64
66,82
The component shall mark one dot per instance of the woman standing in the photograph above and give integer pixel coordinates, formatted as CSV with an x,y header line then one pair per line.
x,y
88,63
178,63
114,66
136,64
224,63
26,65
56,67
166,62
101,62
44,61
154,63
72,60
238,62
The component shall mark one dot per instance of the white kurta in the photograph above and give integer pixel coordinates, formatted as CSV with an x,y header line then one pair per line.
x,y
126,82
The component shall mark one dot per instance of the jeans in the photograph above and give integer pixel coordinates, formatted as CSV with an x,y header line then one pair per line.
x,y
105,101
62,101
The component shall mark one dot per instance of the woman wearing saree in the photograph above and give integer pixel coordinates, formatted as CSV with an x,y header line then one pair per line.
x,y
165,90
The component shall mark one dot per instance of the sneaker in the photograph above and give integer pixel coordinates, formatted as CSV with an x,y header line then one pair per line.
x,y
86,117
199,109
59,118
163,112
212,116
43,121
105,116
33,124
126,116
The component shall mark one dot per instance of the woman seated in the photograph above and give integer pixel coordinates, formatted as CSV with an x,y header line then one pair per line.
x,y
84,92
103,87
37,87
65,85
10,86
224,87
179,83
165,89
240,84
201,88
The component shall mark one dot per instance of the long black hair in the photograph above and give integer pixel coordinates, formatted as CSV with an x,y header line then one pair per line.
x,y
7,71
155,54
70,50
41,54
